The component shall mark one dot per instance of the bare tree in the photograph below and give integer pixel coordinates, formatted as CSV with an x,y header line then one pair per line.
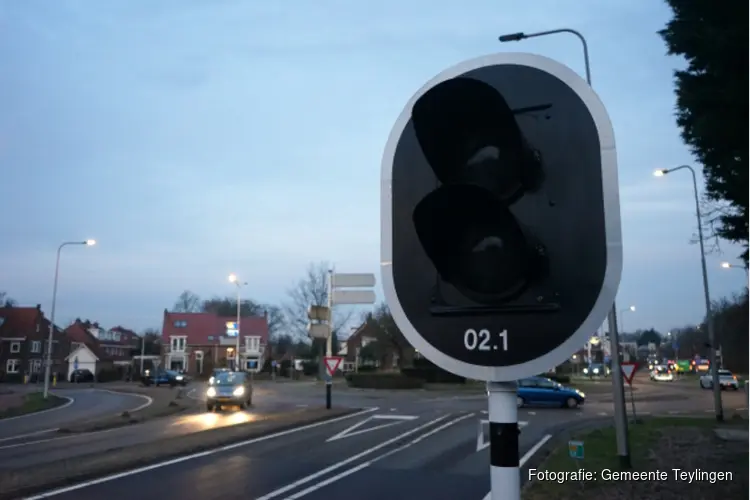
x,y
312,290
6,301
187,302
388,333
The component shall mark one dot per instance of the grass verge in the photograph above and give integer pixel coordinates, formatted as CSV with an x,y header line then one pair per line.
x,y
657,446
20,483
33,403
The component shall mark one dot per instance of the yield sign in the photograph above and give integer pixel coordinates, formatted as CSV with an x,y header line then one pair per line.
x,y
628,370
332,364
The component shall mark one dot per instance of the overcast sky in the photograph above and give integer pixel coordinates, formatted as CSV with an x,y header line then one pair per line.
x,y
197,138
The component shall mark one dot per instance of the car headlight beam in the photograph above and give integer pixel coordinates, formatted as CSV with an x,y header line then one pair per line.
x,y
239,391
211,392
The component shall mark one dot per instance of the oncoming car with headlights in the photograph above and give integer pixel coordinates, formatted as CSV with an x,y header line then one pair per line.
x,y
229,389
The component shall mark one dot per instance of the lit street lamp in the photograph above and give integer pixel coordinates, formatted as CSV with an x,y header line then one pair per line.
x,y
48,360
233,278
622,317
707,297
727,265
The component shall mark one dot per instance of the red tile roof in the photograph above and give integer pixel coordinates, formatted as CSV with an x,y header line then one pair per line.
x,y
79,332
200,326
25,322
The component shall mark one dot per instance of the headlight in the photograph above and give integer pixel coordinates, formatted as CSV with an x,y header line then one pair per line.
x,y
211,380
211,392
585,371
239,391
147,372
178,377
596,370
581,394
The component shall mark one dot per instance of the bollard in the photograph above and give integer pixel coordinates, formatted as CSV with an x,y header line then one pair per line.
x,y
25,379
54,380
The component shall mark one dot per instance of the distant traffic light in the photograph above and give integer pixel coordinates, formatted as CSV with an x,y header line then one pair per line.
x,y
501,242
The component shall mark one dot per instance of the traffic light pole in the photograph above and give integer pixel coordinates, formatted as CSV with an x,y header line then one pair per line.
x,y
505,475
621,417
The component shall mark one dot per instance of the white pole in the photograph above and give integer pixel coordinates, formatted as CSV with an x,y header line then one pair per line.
x,y
505,474
48,360
237,354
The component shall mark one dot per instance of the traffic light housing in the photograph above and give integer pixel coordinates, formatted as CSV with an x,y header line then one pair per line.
x,y
501,244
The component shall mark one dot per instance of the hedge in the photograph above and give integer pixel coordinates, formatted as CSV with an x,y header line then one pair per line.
x,y
433,375
562,379
383,381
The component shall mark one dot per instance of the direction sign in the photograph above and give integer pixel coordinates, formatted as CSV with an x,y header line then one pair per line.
x,y
479,266
353,297
628,371
353,280
575,449
332,364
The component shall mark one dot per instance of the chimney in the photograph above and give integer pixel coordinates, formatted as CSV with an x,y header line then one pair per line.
x,y
39,307
265,314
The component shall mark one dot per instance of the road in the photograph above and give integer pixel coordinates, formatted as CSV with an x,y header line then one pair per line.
x,y
86,404
426,446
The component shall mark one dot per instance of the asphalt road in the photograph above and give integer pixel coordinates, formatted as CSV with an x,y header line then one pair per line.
x,y
423,445
86,404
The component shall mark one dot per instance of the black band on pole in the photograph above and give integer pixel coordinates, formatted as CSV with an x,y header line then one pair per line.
x,y
504,444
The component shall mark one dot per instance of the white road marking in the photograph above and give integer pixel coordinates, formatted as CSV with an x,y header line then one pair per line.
x,y
359,467
349,460
149,400
481,443
602,414
531,413
64,405
186,458
58,438
19,436
350,431
674,412
526,457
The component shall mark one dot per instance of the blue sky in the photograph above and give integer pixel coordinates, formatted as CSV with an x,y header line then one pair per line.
x,y
197,138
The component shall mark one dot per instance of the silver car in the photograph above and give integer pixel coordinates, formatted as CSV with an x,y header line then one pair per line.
x,y
727,380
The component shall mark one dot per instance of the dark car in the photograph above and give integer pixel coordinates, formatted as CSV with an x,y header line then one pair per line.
x,y
81,375
164,377
229,389
540,391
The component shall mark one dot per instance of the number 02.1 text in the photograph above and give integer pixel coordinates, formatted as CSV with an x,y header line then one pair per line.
x,y
482,340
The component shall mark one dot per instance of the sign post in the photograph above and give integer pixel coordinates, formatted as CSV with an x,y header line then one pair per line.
x,y
628,370
480,284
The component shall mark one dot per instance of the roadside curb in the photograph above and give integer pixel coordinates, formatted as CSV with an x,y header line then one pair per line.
x,y
22,483
122,420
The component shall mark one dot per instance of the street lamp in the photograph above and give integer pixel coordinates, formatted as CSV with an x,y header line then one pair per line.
x,y
48,360
233,279
622,317
727,265
707,297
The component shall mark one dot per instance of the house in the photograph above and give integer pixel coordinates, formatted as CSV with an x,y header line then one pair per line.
x,y
194,342
95,348
386,356
24,336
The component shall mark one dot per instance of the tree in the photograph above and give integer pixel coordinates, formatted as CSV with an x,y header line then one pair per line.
x,y
227,306
649,336
6,301
311,290
187,302
388,334
730,317
712,103
150,340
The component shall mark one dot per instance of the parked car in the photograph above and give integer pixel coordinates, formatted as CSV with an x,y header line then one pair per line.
x,y
229,389
661,373
81,375
727,380
596,370
540,391
164,377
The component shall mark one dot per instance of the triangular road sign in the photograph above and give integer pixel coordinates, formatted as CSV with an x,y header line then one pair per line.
x,y
383,421
483,443
628,371
332,364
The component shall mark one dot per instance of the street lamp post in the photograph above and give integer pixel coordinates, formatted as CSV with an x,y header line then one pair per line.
x,y
707,297
233,278
727,265
622,316
48,360
621,419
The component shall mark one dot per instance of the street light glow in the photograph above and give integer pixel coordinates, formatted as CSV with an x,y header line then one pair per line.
x,y
233,278
726,265
660,172
90,242
632,308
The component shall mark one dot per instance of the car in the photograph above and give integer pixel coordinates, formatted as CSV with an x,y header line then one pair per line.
x,y
82,375
229,389
164,377
541,391
596,370
661,373
727,380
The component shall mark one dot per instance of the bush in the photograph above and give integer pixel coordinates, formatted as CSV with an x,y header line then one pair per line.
x,y
562,379
383,381
433,375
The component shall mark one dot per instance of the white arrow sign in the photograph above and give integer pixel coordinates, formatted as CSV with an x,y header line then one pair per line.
x,y
353,430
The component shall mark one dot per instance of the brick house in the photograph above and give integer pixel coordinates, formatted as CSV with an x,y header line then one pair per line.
x,y
24,335
195,342
111,349
386,354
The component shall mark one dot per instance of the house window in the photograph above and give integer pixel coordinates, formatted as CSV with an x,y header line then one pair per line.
x,y
35,365
178,344
74,346
252,344
13,366
15,347
180,324
36,346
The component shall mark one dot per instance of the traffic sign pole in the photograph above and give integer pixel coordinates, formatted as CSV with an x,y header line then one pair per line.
x,y
621,417
505,475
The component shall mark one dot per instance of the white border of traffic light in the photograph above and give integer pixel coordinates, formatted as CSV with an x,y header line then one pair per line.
x,y
613,229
